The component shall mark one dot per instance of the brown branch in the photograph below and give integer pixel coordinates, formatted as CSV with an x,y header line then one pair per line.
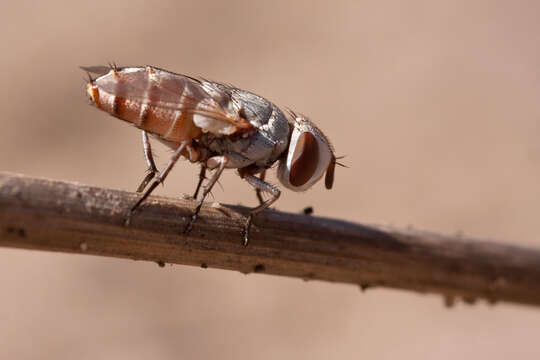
x,y
59,216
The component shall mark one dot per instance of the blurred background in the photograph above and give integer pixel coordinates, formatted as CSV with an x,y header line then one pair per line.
x,y
433,103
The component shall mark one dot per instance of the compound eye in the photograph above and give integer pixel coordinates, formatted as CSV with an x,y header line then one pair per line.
x,y
305,159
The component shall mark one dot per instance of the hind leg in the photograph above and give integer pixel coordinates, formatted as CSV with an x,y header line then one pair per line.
x,y
160,179
152,169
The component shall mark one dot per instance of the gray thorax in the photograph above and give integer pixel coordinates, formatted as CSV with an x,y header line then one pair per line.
x,y
261,147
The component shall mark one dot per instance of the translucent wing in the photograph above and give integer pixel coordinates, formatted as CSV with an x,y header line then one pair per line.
x,y
168,93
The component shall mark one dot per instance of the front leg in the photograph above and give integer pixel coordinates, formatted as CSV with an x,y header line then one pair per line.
x,y
260,186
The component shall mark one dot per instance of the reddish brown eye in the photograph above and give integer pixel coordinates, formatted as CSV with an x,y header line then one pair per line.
x,y
305,159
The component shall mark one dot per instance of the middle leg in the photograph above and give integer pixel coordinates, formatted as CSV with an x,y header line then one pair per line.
x,y
152,169
219,162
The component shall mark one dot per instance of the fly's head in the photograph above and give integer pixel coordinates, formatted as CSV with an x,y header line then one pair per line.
x,y
309,156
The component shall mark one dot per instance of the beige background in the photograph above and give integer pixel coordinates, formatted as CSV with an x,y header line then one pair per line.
x,y
434,103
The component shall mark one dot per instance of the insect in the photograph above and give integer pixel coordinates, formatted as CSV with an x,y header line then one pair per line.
x,y
217,126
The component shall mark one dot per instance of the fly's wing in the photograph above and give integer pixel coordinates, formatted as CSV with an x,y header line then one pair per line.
x,y
169,93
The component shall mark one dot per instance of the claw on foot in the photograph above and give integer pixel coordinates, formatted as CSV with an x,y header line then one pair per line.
x,y
189,226
146,180
247,228
127,222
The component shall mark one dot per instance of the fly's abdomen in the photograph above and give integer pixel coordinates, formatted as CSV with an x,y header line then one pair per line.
x,y
151,103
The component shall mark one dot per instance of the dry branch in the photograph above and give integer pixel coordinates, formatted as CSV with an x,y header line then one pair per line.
x,y
59,216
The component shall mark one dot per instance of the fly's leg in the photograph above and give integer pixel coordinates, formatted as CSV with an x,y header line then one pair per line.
x,y
152,169
259,191
260,186
218,162
202,176
160,179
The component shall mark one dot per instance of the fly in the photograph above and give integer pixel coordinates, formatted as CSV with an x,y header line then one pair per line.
x,y
217,126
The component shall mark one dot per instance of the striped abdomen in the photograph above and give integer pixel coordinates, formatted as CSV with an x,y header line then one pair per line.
x,y
175,107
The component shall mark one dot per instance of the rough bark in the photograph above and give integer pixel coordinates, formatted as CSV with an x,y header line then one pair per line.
x,y
68,217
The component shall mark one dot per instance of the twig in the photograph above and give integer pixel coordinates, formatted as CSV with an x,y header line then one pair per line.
x,y
60,216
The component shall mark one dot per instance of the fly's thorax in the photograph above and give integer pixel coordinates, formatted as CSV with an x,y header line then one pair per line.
x,y
272,125
262,145
248,149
